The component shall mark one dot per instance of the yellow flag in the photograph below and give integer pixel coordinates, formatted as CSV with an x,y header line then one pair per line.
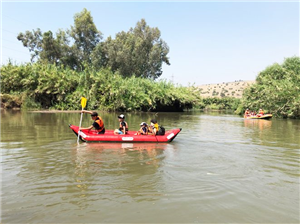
x,y
83,102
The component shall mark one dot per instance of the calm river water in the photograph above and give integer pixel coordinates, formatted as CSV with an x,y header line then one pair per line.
x,y
219,169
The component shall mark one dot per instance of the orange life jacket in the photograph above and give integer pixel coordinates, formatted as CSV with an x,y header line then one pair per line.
x,y
99,121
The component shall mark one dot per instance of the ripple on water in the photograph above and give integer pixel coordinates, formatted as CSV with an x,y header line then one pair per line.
x,y
218,169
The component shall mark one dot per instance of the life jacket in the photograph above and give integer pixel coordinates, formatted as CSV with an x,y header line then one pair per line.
x,y
99,121
123,123
145,129
154,126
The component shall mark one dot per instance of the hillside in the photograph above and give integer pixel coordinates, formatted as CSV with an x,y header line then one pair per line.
x,y
225,89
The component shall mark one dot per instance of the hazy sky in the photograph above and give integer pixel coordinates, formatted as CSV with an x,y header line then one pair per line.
x,y
209,41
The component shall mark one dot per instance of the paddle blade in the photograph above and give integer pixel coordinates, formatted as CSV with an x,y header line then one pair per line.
x,y
83,102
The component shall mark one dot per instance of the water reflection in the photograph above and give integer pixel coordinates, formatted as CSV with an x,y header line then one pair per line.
x,y
261,124
276,146
132,168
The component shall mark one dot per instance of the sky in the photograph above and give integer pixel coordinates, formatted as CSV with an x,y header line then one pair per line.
x,y
210,41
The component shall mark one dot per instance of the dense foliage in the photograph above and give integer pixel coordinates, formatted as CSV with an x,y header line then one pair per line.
x,y
215,103
139,52
48,86
277,90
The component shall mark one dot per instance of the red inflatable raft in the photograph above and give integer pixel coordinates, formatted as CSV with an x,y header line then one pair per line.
x,y
109,136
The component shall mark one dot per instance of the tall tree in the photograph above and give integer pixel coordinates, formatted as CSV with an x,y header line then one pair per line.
x,y
47,48
51,51
140,52
150,50
33,41
85,34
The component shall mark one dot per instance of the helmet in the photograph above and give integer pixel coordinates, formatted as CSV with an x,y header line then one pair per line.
x,y
121,116
143,123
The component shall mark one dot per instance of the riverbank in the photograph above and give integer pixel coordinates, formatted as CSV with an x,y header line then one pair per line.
x,y
11,102
48,87
39,86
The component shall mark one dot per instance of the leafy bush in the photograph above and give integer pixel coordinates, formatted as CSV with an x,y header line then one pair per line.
x,y
277,90
49,86
225,103
10,101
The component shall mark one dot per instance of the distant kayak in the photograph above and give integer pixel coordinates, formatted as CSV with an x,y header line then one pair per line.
x,y
258,116
109,136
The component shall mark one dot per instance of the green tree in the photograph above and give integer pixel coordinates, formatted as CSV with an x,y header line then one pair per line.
x,y
47,48
276,89
139,52
150,51
33,41
85,34
51,51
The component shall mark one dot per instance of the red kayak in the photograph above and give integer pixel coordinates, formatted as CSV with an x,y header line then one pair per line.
x,y
109,136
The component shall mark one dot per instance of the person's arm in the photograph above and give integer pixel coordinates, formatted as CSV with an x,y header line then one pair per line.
x,y
89,128
154,131
140,131
150,130
124,129
86,111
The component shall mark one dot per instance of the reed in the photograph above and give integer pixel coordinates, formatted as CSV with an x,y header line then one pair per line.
x,y
56,87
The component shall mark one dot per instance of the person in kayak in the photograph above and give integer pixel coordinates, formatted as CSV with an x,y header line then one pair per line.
x,y
143,130
261,112
98,123
247,113
123,129
153,128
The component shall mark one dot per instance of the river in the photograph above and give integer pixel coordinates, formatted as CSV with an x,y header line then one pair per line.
x,y
219,169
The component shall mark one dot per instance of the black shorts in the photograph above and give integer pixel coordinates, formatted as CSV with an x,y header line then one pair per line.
x,y
101,132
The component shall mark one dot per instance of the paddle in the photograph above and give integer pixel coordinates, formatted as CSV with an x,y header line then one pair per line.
x,y
83,104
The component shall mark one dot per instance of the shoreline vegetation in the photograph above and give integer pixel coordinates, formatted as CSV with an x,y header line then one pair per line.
x,y
45,87
39,86
48,87
120,74
276,90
